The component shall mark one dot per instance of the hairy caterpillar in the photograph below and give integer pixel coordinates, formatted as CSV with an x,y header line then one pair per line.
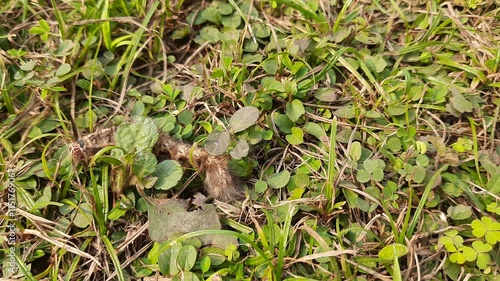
x,y
90,144
218,180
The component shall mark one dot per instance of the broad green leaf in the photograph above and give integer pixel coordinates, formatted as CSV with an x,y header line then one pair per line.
x,y
345,112
261,30
93,70
326,94
65,68
215,254
378,174
376,63
390,188
479,226
185,117
65,48
460,103
486,228
314,129
459,212
494,208
294,110
83,216
180,32
370,165
297,136
144,164
300,180
271,84
368,38
221,7
165,123
397,109
167,260
170,218
169,173
138,109
457,257
240,150
254,58
217,142
250,46
390,252
452,189
232,21
394,144
462,145
481,247
260,186
483,260
116,213
355,151
139,135
363,176
243,118
470,254
419,174
186,257
448,243
283,123
205,264
186,276
279,180
422,160
493,184
210,34
341,33
27,66
270,66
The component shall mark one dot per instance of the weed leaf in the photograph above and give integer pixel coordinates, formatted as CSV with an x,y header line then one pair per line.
x,y
279,180
169,173
243,118
392,251
240,150
217,142
139,135
294,110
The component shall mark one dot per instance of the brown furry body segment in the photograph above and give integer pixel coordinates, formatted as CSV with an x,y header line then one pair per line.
x,y
218,180
90,144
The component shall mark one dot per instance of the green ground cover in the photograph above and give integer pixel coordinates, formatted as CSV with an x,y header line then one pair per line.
x,y
366,134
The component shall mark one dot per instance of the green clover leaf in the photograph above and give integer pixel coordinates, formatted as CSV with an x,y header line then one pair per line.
x,y
486,228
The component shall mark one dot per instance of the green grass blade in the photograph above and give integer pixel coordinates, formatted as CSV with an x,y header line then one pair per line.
x,y
423,200
475,149
24,269
342,12
332,158
114,257
283,240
